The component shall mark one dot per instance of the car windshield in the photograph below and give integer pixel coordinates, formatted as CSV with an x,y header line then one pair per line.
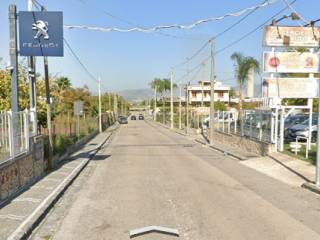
x,y
314,121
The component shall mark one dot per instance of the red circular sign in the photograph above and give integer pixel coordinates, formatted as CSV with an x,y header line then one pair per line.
x,y
274,62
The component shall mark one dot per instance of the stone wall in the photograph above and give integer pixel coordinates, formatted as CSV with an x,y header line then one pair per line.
x,y
25,169
244,143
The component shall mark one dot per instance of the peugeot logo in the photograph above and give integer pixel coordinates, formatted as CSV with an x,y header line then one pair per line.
x,y
42,29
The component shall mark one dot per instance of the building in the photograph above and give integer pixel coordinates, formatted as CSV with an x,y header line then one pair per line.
x,y
196,97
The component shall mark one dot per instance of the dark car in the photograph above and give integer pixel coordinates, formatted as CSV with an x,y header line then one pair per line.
x,y
302,130
133,117
122,120
295,119
141,117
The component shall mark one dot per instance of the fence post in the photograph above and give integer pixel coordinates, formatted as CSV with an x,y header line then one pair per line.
x,y
11,135
26,129
260,130
229,118
222,121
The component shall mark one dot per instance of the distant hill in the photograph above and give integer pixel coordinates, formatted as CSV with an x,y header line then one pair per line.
x,y
138,95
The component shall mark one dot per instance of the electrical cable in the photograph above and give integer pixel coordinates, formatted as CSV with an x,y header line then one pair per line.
x,y
218,35
133,24
172,26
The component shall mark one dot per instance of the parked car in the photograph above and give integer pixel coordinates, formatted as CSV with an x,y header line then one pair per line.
x,y
302,130
123,120
295,119
141,117
133,117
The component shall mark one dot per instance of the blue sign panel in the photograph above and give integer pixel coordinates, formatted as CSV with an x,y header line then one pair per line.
x,y
40,33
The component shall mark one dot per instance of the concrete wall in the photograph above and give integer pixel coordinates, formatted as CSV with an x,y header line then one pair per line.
x,y
25,169
244,143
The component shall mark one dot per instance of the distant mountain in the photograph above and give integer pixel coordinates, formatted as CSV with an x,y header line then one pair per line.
x,y
138,95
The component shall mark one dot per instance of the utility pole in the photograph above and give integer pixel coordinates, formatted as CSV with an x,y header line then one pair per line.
x,y
13,58
212,80
155,104
14,75
171,100
187,108
109,95
318,143
48,101
115,105
180,107
32,84
100,114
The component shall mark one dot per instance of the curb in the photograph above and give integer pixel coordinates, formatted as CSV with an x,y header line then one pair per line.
x,y
32,221
221,150
312,187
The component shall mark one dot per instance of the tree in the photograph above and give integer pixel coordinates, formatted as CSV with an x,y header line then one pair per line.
x,y
243,65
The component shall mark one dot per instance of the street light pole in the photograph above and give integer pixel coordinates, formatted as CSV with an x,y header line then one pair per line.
x,y
212,80
318,142
180,107
100,116
155,104
171,100
32,83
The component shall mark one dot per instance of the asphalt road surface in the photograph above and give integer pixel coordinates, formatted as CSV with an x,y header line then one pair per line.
x,y
149,175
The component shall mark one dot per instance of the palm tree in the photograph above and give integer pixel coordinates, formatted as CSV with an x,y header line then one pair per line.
x,y
158,87
243,65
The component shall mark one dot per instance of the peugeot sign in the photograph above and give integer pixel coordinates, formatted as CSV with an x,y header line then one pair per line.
x,y
40,33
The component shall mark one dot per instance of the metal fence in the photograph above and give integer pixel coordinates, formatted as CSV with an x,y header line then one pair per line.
x,y
15,130
254,124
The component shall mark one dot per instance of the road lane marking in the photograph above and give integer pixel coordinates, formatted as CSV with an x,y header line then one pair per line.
x,y
33,200
12,217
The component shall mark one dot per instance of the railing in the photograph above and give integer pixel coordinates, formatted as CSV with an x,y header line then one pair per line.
x,y
15,130
254,124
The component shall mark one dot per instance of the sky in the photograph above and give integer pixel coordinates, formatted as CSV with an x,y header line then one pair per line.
x,y
132,60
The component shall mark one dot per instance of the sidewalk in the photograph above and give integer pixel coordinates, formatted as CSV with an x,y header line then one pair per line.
x,y
282,167
20,216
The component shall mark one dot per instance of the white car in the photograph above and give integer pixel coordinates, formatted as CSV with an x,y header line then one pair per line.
x,y
228,116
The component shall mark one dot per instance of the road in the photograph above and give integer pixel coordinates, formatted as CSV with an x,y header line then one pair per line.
x,y
150,175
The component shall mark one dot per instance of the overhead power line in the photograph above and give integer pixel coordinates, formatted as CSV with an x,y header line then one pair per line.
x,y
132,24
241,38
217,36
172,26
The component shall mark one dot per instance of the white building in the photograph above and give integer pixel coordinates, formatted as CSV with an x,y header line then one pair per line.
x,y
221,93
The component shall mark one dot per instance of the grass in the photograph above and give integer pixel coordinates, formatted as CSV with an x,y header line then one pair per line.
x,y
302,154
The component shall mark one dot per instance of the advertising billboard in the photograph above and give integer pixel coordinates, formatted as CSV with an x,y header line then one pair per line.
x,y
291,62
40,33
291,87
279,36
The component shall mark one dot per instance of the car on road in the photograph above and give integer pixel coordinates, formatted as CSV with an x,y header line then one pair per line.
x,y
133,117
123,120
302,130
141,117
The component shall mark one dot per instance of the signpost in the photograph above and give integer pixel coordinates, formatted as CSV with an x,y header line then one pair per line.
x,y
277,87
78,111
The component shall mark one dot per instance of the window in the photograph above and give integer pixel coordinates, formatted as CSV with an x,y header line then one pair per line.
x,y
220,94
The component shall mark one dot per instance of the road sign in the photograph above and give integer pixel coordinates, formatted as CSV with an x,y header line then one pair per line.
x,y
78,108
40,33
291,62
279,36
291,87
